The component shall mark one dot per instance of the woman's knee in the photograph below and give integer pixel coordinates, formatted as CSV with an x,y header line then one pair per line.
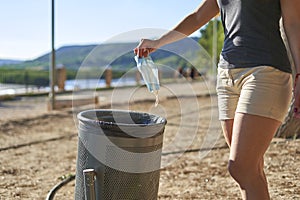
x,y
242,172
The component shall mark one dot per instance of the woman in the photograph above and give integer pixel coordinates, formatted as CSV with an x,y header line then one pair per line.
x,y
254,78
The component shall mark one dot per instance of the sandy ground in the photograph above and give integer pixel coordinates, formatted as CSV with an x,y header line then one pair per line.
x,y
37,148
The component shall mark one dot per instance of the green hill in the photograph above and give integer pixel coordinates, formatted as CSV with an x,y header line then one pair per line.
x,y
69,56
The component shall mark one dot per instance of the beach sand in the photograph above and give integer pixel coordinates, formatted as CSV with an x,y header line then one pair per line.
x,y
39,147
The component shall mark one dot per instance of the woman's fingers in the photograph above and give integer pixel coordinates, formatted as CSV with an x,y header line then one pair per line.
x,y
142,52
144,48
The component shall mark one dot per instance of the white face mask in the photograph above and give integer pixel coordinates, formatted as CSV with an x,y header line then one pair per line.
x,y
149,72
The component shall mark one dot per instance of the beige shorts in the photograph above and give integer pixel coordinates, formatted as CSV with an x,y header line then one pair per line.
x,y
263,91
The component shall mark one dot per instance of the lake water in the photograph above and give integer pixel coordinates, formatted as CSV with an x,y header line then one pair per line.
x,y
11,89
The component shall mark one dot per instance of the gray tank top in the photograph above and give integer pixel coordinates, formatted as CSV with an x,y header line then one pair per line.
x,y
252,35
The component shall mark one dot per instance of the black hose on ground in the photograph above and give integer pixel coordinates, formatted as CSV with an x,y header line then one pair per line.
x,y
52,192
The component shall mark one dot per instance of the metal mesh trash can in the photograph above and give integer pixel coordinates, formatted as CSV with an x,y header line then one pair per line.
x,y
119,155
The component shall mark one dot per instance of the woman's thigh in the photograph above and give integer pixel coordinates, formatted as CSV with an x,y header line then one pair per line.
x,y
251,136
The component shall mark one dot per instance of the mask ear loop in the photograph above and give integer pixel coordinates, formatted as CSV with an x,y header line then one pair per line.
x,y
138,51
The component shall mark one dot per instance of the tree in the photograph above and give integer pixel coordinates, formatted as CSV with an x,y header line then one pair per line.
x,y
206,38
291,126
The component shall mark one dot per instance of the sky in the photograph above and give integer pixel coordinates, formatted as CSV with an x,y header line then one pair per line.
x,y
26,24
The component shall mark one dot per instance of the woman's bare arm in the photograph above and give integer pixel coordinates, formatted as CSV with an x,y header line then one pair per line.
x,y
291,23
207,10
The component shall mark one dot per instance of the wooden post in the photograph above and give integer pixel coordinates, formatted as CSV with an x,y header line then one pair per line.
x,y
61,77
108,76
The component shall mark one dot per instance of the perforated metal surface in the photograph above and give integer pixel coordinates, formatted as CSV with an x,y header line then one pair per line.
x,y
115,184
123,185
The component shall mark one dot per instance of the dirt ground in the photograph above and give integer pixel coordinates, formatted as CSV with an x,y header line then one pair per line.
x,y
38,148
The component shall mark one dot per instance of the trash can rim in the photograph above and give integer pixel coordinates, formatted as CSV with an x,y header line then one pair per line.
x,y
81,117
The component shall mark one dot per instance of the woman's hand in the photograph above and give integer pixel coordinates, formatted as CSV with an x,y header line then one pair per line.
x,y
146,47
297,97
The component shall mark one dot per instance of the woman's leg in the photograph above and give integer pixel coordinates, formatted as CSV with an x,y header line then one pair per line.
x,y
251,136
264,91
227,126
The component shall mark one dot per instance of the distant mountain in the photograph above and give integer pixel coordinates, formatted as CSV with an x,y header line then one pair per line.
x,y
116,54
9,62
69,56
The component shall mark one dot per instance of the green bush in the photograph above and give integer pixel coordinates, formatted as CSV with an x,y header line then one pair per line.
x,y
39,78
